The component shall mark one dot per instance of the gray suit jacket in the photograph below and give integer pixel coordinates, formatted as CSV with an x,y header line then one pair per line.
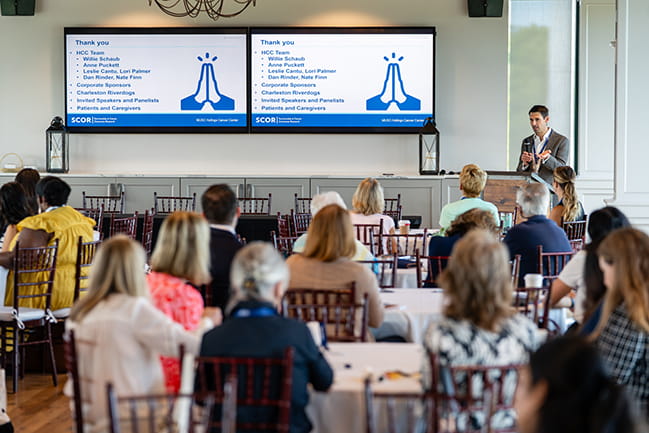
x,y
559,147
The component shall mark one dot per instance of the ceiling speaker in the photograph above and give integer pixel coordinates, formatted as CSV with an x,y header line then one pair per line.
x,y
485,8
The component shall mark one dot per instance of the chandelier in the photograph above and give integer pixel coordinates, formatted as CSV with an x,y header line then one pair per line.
x,y
192,8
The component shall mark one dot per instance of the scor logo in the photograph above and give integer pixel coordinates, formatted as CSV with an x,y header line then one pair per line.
x,y
260,119
78,119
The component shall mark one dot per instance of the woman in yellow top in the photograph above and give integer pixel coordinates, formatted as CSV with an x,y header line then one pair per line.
x,y
56,221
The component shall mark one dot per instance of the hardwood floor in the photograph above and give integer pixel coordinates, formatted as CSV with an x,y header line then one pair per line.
x,y
38,406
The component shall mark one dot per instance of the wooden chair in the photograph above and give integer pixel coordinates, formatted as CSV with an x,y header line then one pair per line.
x,y
255,205
124,225
515,264
343,319
507,215
371,235
165,205
263,389
111,203
576,233
147,231
534,302
393,207
302,205
385,268
72,366
158,413
33,278
284,225
283,244
300,222
96,214
434,265
550,265
406,244
397,412
473,395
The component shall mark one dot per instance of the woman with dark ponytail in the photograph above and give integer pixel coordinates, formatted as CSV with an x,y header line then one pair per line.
x,y
566,389
569,208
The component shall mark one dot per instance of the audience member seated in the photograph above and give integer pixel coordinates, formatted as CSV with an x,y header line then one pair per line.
x,y
472,181
253,328
222,211
325,262
569,207
524,238
318,202
479,325
13,209
566,389
181,258
622,334
582,274
120,335
57,221
368,204
28,178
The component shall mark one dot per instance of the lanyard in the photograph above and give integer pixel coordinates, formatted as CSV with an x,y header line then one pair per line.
x,y
255,312
545,142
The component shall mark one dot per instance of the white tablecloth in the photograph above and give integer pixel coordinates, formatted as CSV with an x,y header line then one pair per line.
x,y
342,409
409,312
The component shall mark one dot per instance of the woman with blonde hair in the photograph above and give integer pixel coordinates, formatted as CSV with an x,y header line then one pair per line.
x,y
622,333
569,207
180,261
120,334
368,204
326,261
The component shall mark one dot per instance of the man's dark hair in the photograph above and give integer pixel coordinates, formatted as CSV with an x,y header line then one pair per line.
x,y
540,109
54,190
219,204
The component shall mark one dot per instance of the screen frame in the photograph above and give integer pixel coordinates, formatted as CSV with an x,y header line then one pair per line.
x,y
159,31
342,30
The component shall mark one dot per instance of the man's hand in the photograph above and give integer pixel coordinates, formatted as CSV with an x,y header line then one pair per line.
x,y
527,157
545,155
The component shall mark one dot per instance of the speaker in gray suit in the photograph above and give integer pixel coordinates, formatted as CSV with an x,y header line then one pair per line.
x,y
544,150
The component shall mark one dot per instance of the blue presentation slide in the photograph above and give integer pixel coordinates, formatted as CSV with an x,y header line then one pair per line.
x,y
156,80
379,80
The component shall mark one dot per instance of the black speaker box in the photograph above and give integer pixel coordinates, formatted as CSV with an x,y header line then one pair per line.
x,y
485,8
17,7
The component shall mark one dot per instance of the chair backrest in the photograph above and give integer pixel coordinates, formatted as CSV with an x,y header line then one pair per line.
x,y
474,398
534,302
34,270
433,266
576,233
72,366
263,394
507,219
85,253
336,309
397,412
393,207
284,225
406,244
147,231
96,214
283,244
124,225
300,222
302,204
111,203
165,205
550,265
158,413
255,205
385,269
370,235
515,264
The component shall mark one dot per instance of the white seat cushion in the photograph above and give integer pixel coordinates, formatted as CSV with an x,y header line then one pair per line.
x,y
62,313
24,314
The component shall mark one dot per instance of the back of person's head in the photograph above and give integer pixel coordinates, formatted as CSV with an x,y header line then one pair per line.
x,y
568,390
472,180
256,270
533,199
477,281
118,267
565,177
368,198
473,219
28,178
603,221
54,190
542,109
319,201
13,203
627,251
330,235
219,204
183,248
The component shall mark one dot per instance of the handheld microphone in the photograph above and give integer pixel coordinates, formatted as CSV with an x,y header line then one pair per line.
x,y
527,145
